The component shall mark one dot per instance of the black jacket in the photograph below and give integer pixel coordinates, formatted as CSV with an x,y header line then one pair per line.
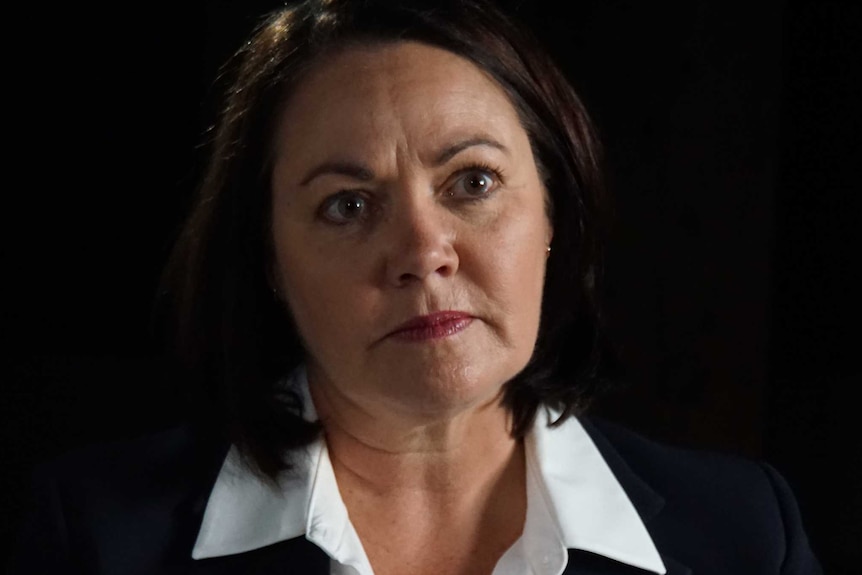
x,y
135,509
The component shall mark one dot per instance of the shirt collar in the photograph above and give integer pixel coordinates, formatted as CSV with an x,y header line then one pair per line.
x,y
589,509
245,512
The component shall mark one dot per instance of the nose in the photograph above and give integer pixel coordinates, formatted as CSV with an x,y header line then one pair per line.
x,y
421,245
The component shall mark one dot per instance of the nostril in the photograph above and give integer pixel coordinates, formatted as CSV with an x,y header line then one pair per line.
x,y
407,278
409,266
447,268
420,245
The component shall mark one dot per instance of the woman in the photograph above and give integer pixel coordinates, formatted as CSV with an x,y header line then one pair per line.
x,y
386,295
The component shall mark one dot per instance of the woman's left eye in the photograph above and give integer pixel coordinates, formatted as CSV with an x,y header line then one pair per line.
x,y
474,183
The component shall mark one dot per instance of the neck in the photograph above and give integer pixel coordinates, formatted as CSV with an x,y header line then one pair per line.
x,y
387,451
415,485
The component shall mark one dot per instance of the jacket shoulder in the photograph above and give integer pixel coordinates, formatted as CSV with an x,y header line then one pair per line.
x,y
702,481
705,507
662,462
126,504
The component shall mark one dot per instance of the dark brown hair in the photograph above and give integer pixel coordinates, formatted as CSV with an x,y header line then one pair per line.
x,y
239,342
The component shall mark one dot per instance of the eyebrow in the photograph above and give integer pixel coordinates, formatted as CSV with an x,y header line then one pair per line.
x,y
356,171
451,151
365,174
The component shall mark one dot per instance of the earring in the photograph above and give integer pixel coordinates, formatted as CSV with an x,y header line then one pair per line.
x,y
548,251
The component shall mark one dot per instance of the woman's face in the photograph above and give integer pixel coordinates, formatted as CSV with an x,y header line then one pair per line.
x,y
409,228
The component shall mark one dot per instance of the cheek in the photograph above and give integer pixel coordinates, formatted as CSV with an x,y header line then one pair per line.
x,y
322,292
511,258
521,250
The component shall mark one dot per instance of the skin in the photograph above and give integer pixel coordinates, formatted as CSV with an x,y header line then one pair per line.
x,y
403,185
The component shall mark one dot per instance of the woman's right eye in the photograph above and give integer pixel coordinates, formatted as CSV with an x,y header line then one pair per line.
x,y
344,208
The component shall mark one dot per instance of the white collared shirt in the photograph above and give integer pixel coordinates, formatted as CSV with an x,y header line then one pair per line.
x,y
573,502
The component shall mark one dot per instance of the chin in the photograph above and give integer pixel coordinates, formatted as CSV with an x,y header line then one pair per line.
x,y
453,388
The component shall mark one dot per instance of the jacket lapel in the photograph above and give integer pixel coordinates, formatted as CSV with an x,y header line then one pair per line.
x,y
585,563
648,503
296,556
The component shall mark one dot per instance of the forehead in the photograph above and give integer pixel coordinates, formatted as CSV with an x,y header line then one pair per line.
x,y
401,90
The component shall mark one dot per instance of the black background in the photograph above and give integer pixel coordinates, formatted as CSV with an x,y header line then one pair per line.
x,y
732,136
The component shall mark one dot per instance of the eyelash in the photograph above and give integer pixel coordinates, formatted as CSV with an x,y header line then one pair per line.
x,y
495,172
333,200
479,167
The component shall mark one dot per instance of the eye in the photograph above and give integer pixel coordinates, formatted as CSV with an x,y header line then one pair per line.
x,y
475,183
344,208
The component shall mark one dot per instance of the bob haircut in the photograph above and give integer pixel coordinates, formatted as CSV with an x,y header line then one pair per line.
x,y
237,340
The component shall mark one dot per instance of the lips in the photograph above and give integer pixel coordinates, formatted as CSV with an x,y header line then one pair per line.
x,y
432,326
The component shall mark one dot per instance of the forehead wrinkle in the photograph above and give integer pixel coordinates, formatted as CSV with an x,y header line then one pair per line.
x,y
390,125
469,112
437,136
